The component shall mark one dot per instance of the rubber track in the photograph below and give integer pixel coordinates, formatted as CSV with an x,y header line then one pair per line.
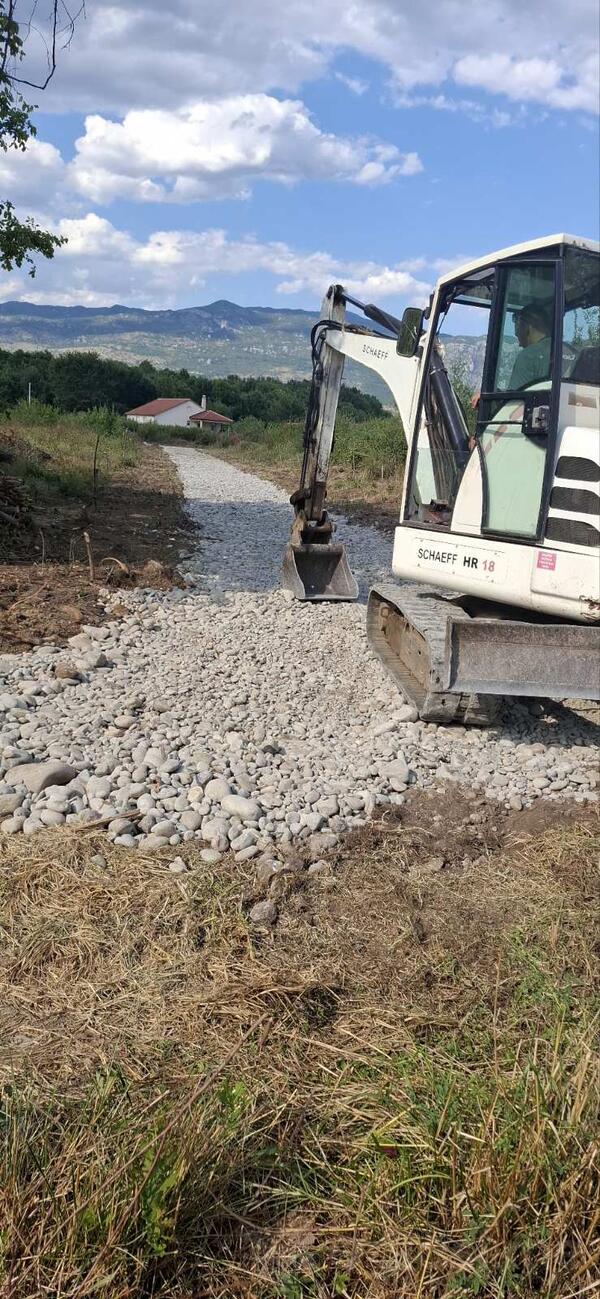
x,y
429,611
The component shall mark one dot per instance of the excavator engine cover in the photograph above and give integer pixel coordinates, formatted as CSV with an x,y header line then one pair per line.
x,y
318,571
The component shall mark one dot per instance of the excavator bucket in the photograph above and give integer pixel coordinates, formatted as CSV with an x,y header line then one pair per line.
x,y
318,572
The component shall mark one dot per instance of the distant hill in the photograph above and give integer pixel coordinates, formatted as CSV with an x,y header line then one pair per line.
x,y
218,339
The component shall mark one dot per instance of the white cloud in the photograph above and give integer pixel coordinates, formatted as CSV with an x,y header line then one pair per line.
x,y
101,265
473,108
129,53
214,149
354,84
536,79
27,175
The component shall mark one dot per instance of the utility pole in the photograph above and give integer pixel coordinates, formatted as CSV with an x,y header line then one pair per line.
x,y
29,394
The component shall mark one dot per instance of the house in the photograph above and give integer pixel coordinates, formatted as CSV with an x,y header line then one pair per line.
x,y
209,419
165,410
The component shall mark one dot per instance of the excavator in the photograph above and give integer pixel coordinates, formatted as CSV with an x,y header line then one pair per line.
x,y
495,585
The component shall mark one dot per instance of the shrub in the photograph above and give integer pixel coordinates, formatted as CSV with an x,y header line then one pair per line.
x,y
34,414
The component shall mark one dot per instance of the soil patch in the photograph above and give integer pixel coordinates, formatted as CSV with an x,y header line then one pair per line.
x,y
138,533
439,880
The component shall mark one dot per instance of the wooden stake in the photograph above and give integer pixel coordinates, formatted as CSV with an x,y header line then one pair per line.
x,y
88,546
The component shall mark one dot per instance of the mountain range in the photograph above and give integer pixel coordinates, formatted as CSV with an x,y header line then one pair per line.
x,y
218,339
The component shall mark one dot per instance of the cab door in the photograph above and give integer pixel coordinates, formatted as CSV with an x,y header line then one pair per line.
x,y
516,407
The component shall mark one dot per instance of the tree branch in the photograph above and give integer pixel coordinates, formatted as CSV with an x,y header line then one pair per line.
x,y
58,8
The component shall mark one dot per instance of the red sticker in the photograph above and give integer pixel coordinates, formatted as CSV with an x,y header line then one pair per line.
x,y
546,559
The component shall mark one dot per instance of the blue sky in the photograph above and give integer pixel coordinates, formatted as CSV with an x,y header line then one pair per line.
x,y
258,151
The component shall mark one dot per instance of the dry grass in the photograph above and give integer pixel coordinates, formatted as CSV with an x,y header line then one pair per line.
x,y
394,1095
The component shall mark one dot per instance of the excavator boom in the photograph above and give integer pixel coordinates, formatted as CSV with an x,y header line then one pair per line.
x,y
314,566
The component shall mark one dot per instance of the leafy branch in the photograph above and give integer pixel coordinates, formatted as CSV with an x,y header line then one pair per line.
x,y
21,240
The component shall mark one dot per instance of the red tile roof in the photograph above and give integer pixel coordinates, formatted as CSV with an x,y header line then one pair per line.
x,y
211,417
158,406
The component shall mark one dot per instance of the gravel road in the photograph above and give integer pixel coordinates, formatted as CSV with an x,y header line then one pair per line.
x,y
230,714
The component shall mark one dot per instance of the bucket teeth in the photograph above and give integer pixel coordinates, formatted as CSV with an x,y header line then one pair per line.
x,y
318,572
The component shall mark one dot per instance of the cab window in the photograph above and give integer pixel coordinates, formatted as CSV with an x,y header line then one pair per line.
x,y
581,325
524,355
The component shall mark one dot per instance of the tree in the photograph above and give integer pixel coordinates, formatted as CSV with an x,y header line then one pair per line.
x,y
19,240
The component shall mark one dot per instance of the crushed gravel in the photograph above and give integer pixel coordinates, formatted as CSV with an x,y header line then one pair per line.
x,y
229,714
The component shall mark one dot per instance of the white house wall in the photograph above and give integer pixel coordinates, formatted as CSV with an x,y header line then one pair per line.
x,y
178,414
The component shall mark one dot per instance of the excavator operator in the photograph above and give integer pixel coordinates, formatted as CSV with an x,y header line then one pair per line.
x,y
533,328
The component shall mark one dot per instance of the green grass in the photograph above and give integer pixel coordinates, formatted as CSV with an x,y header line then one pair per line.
x,y
53,454
374,447
207,1115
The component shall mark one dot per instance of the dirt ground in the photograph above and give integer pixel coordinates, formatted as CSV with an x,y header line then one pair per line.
x,y
419,878
46,586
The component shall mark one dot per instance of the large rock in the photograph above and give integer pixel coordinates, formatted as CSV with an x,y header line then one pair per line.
x,y
190,819
37,776
10,702
397,771
9,803
66,672
215,827
245,808
218,789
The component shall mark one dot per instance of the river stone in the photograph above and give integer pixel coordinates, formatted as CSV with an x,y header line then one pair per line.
x,y
153,842
48,817
32,824
37,776
9,703
246,808
164,828
246,854
9,803
407,713
263,913
211,856
190,819
66,672
397,771
11,825
217,790
120,825
98,787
